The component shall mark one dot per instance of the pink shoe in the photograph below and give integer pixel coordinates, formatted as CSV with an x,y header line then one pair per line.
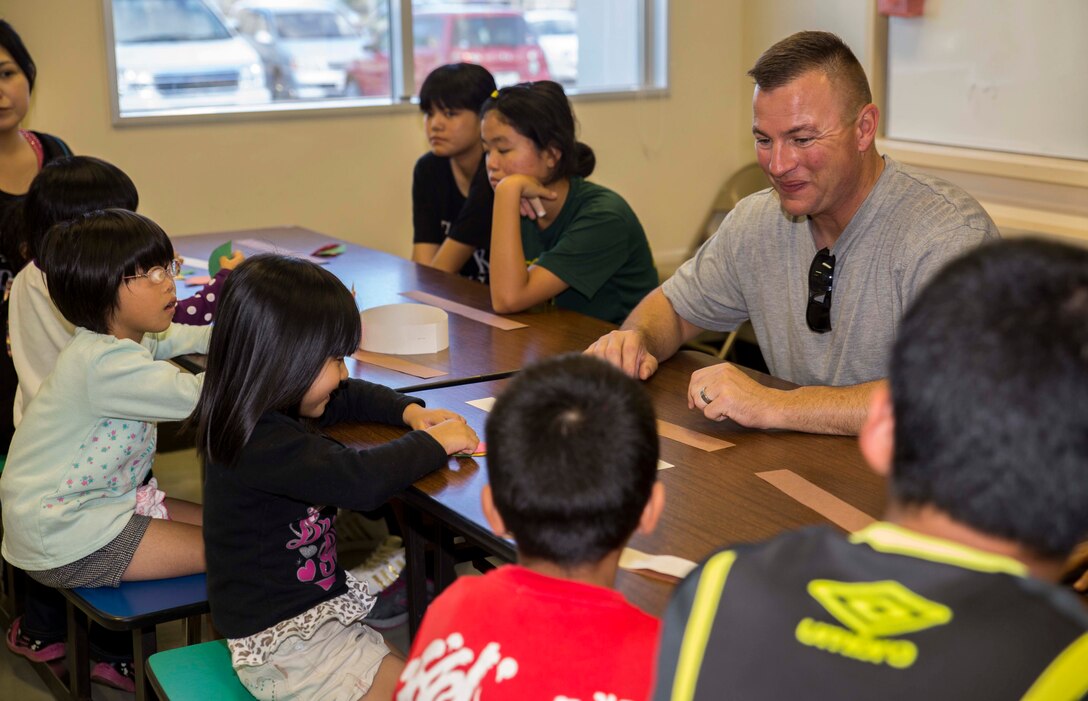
x,y
34,650
119,675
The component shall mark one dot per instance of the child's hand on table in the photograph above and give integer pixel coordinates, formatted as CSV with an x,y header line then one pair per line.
x,y
455,436
421,418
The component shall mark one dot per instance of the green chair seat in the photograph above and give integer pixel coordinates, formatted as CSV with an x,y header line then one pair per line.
x,y
196,673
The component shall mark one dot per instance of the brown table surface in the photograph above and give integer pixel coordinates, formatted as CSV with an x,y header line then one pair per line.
x,y
712,498
476,350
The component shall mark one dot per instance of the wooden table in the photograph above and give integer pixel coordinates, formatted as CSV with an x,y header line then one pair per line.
x,y
477,350
712,498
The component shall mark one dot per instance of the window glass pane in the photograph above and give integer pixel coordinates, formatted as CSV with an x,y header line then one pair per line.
x,y
200,56
584,44
492,35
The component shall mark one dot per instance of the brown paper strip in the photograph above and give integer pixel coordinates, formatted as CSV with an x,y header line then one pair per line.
x,y
689,437
390,362
464,310
819,500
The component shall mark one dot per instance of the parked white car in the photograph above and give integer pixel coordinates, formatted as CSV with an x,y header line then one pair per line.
x,y
306,45
180,54
557,33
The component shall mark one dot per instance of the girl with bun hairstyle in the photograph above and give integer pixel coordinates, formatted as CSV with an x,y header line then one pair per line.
x,y
553,233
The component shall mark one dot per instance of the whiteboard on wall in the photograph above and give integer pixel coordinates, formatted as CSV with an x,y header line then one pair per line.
x,y
1002,75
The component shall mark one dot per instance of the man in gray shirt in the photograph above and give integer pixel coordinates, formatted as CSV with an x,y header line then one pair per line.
x,y
824,263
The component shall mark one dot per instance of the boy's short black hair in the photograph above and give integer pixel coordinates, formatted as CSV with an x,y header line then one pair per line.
x,y
87,258
456,86
70,186
989,381
13,44
572,456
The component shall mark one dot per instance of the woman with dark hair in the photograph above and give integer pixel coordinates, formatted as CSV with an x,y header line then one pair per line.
x,y
292,615
583,244
23,153
451,200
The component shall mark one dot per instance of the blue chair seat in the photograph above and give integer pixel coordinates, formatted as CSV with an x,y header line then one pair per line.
x,y
133,606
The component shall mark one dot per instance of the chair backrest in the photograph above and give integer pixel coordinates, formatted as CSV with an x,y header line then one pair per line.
x,y
746,181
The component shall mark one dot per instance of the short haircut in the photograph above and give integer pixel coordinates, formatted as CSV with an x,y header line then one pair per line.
x,y
278,321
802,52
572,457
541,112
87,258
456,86
13,44
989,379
68,187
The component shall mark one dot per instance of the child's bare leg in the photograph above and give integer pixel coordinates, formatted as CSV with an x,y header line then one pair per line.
x,y
168,549
184,511
385,681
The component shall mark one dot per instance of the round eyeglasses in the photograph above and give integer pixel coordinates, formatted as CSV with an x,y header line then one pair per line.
x,y
159,273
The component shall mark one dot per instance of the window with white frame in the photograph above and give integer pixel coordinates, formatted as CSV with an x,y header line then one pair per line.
x,y
201,57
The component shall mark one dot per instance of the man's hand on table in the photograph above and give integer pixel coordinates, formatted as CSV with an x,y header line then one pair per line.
x,y
724,391
627,351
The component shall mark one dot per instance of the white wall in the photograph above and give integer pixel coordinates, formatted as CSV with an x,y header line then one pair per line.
x,y
349,176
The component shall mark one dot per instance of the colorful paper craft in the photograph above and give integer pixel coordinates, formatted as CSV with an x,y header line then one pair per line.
x,y
224,250
662,465
481,451
266,247
329,250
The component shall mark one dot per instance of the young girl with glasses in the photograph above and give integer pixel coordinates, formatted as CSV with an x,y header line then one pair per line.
x,y
553,233
275,375
76,510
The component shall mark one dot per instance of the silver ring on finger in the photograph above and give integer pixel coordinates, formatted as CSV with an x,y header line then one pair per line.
x,y
702,395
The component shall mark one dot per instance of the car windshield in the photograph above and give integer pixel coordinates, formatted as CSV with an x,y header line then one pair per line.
x,y
136,21
478,31
312,25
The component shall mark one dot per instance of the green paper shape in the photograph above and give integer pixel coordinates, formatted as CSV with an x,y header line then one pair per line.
x,y
213,262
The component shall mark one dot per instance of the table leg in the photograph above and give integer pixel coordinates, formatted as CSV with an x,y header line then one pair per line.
x,y
144,645
79,655
415,543
445,559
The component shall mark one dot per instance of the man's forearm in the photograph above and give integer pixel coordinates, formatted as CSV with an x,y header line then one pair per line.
x,y
817,409
661,328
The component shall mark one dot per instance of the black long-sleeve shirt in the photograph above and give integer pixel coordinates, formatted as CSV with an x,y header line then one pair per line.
x,y
268,521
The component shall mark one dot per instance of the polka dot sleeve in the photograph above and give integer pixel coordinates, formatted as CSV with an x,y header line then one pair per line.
x,y
199,309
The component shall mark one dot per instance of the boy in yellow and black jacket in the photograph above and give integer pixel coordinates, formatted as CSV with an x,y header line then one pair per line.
x,y
984,439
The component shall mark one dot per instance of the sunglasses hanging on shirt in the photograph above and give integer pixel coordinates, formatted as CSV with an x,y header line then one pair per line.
x,y
820,274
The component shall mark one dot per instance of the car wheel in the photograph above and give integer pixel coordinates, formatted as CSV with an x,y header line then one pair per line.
x,y
279,87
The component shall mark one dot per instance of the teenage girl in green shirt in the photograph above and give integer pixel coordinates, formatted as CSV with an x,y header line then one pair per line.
x,y
555,235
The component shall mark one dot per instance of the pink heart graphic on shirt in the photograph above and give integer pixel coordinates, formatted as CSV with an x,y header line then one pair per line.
x,y
327,582
307,572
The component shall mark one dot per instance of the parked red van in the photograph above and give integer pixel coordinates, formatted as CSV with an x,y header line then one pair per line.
x,y
497,38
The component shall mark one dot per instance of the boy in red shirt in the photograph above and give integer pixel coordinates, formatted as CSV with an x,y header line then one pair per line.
x,y
572,456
